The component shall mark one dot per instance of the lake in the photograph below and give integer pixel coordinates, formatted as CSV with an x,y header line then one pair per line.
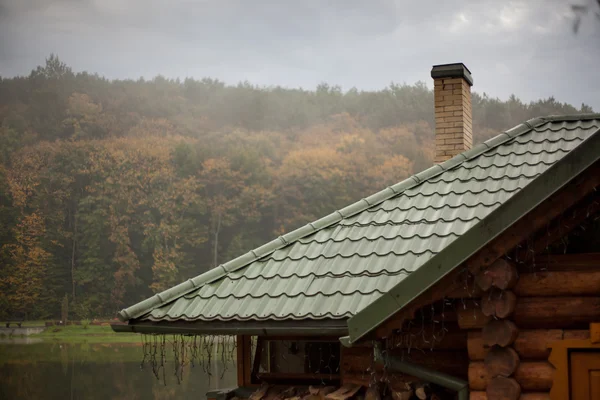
x,y
30,369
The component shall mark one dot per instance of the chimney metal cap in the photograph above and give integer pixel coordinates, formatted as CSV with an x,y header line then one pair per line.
x,y
456,70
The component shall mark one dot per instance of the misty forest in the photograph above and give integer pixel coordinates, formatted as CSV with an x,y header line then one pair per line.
x,y
111,190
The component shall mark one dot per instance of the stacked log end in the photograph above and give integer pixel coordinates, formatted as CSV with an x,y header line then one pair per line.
x,y
498,304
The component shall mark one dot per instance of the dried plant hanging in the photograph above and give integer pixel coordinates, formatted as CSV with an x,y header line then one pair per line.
x,y
187,351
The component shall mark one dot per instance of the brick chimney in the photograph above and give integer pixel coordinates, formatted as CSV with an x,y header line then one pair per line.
x,y
453,118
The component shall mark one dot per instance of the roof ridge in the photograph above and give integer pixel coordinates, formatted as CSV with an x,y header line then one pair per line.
x,y
218,272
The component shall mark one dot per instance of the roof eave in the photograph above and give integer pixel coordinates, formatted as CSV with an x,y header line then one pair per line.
x,y
308,328
574,163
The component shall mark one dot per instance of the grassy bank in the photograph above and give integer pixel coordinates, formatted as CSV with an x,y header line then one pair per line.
x,y
89,334
81,333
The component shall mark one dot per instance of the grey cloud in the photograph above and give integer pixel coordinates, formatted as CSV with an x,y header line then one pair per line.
x,y
521,47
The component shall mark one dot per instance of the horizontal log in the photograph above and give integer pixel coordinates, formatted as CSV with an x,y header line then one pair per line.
x,y
533,376
580,334
475,395
539,312
559,283
562,262
556,312
529,344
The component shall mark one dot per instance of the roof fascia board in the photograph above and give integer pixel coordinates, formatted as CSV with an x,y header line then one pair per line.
x,y
574,163
335,328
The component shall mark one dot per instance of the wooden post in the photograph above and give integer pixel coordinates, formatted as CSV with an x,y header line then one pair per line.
x,y
244,355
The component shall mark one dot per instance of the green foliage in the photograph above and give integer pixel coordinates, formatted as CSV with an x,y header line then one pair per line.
x,y
113,190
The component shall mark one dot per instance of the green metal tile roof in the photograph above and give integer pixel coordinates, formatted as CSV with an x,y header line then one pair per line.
x,y
347,261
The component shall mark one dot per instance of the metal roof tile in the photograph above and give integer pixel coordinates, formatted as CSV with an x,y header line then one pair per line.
x,y
338,265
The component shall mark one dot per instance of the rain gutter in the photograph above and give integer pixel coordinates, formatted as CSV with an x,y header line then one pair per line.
x,y
438,378
253,328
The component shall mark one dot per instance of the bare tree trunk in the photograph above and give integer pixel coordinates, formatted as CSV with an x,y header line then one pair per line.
x,y
216,242
73,259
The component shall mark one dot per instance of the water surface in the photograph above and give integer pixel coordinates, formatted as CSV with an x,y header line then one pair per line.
x,y
30,370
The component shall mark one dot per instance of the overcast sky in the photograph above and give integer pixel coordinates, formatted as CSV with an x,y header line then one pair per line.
x,y
522,47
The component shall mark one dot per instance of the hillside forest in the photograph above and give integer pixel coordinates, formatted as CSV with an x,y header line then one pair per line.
x,y
112,190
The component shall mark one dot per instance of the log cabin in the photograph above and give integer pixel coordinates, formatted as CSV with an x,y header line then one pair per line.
x,y
477,278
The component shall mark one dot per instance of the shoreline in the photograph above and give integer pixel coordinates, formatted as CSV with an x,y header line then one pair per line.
x,y
97,333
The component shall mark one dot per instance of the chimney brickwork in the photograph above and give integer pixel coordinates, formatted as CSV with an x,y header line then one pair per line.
x,y
453,117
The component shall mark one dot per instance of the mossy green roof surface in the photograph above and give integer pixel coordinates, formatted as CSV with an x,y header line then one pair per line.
x,y
339,265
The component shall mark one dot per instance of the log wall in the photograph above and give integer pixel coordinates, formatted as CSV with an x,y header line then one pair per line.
x,y
547,307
